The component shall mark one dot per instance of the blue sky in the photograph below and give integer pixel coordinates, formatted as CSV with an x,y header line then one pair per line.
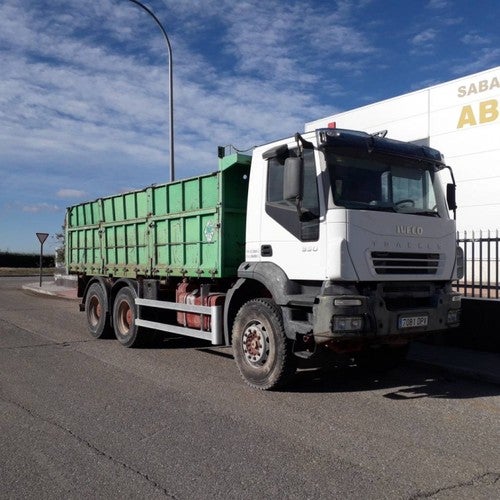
x,y
84,86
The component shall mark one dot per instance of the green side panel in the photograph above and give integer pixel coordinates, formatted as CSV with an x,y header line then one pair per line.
x,y
193,227
234,194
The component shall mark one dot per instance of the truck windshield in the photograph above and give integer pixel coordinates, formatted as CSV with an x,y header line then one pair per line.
x,y
361,180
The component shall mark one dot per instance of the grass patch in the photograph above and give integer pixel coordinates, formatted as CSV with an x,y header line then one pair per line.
x,y
26,271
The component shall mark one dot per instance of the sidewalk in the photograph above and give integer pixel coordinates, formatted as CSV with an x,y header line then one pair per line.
x,y
477,365
468,363
50,287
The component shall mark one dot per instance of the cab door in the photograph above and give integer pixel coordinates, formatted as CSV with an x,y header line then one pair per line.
x,y
290,238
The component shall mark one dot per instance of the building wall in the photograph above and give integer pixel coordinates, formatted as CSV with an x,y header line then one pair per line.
x,y
461,118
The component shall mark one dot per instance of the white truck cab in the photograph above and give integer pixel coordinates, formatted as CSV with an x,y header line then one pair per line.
x,y
351,235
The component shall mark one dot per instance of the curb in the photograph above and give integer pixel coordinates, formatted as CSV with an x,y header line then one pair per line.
x,y
51,290
467,373
466,363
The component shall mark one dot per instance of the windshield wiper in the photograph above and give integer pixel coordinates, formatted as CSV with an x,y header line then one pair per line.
x,y
428,213
353,205
382,208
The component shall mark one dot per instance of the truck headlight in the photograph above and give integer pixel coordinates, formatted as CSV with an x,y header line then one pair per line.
x,y
347,323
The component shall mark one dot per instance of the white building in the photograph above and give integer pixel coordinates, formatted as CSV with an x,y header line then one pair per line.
x,y
460,118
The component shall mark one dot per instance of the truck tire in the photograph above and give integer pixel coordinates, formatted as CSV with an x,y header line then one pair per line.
x,y
124,314
261,349
96,309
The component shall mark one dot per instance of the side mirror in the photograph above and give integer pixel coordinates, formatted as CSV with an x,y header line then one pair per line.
x,y
293,176
451,196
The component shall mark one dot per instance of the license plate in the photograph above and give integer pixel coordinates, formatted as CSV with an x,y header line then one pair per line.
x,y
413,321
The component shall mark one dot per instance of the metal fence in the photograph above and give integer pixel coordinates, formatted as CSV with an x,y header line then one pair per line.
x,y
481,264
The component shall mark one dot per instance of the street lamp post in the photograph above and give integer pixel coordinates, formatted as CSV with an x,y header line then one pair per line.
x,y
170,83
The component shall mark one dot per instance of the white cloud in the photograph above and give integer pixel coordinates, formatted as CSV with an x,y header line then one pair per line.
x,y
484,58
451,21
424,38
473,38
438,4
40,207
96,101
71,193
80,100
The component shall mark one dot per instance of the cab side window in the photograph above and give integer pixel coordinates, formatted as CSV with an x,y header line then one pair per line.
x,y
284,211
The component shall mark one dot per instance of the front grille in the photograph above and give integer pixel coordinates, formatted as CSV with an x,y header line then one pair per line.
x,y
386,263
405,288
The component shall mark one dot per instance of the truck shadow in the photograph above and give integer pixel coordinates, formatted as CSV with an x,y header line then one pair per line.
x,y
409,381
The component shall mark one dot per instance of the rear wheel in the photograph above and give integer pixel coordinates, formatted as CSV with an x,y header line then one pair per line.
x,y
96,308
124,315
262,351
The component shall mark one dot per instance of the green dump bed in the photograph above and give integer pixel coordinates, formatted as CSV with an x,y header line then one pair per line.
x,y
193,227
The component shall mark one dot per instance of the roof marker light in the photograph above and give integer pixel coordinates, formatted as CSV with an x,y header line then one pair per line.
x,y
332,125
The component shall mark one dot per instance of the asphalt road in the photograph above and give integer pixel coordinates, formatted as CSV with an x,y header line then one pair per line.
x,y
85,418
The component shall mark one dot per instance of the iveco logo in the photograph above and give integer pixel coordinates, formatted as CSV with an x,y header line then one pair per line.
x,y
410,230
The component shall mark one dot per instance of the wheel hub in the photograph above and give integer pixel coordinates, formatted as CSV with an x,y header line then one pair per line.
x,y
125,318
256,344
95,310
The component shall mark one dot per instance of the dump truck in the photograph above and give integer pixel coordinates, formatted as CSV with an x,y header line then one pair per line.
x,y
334,241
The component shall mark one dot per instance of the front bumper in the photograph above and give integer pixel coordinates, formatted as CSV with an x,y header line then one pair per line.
x,y
391,310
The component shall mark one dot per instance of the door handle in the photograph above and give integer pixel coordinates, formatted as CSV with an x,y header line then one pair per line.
x,y
266,251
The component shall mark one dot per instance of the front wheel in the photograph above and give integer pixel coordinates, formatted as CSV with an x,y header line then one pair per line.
x,y
124,315
261,349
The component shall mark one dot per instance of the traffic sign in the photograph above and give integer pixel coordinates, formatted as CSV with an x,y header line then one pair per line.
x,y
42,237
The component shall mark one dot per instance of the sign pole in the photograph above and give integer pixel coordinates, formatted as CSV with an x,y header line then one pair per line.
x,y
41,238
